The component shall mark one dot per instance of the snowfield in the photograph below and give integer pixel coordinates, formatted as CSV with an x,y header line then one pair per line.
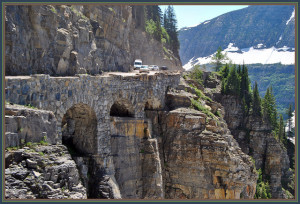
x,y
292,16
258,54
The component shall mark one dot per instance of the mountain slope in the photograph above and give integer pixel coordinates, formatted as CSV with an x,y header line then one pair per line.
x,y
259,26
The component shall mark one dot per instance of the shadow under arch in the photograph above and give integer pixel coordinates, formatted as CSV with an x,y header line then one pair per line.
x,y
122,108
79,129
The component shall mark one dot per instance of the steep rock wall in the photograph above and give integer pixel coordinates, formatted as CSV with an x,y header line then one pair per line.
x,y
200,158
65,40
24,124
258,141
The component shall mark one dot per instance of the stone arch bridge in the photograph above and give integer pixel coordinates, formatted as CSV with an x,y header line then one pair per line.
x,y
105,95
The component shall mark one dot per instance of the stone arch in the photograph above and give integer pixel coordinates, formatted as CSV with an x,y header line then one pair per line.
x,y
79,129
122,108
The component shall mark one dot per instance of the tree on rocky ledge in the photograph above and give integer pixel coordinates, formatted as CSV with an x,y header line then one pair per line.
x,y
218,59
269,108
290,116
256,105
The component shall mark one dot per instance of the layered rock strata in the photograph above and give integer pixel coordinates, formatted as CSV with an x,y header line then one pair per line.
x,y
25,124
154,146
67,40
42,172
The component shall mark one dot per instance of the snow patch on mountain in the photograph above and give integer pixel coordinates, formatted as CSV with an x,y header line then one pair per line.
x,y
280,38
231,48
252,55
292,16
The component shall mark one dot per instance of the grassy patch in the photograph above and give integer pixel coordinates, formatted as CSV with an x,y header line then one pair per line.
x,y
30,106
78,13
52,8
218,114
12,148
41,153
112,10
200,94
201,108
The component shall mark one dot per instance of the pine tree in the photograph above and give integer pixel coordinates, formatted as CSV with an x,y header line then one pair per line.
x,y
224,71
281,129
218,59
153,21
239,70
256,105
245,87
232,84
170,24
290,116
269,108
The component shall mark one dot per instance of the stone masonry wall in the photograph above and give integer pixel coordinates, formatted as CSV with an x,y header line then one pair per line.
x,y
58,94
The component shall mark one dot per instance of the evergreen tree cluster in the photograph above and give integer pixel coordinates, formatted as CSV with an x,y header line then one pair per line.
x,y
162,26
235,81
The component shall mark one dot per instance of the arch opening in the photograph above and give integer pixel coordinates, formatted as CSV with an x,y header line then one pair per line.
x,y
121,109
79,129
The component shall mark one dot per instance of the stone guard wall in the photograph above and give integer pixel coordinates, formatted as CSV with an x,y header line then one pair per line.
x,y
58,94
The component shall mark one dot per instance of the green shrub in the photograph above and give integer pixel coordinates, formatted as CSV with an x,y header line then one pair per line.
x,y
218,114
44,141
41,153
78,13
201,108
200,94
263,190
12,148
150,27
52,8
197,74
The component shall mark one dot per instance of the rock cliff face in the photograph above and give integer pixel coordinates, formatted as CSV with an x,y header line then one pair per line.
x,y
200,158
256,139
65,40
28,125
42,172
163,149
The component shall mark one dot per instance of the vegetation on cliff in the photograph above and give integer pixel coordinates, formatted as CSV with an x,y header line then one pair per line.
x,y
236,82
282,80
162,27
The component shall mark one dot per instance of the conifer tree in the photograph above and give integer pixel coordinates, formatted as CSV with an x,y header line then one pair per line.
x,y
224,71
153,21
170,24
256,105
269,108
218,59
245,87
290,115
281,129
232,83
239,70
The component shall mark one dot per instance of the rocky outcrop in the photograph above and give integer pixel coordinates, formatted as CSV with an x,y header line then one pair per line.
x,y
25,124
256,139
42,172
200,158
68,40
136,159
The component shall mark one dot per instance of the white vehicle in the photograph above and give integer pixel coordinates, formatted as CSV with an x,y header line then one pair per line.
x,y
137,64
144,68
154,67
